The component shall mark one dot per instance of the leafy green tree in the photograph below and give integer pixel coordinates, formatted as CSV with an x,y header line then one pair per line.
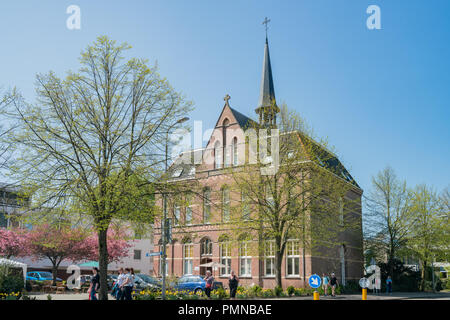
x,y
429,235
387,211
87,138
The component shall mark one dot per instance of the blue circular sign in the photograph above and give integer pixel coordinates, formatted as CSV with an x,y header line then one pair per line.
x,y
315,281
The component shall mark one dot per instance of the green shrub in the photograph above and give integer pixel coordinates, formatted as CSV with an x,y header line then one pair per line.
x,y
322,291
290,290
439,285
219,294
10,282
278,291
255,291
267,293
447,284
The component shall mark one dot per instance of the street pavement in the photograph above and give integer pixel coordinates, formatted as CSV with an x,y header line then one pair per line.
x,y
382,296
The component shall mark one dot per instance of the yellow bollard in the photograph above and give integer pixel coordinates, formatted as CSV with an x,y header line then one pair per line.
x,y
316,295
364,294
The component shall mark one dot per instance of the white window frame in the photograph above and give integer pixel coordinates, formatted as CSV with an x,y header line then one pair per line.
x,y
177,215
291,257
235,151
217,156
188,260
245,260
225,258
188,209
226,204
269,257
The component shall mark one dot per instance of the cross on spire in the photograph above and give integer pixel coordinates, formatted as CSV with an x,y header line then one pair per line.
x,y
266,23
227,97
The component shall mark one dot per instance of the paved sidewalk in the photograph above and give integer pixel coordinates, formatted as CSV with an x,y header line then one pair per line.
x,y
68,296
383,296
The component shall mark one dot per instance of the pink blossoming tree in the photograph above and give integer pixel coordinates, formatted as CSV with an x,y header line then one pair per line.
x,y
58,243
13,243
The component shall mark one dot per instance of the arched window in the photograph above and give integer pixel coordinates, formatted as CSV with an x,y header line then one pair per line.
x,y
217,155
206,205
235,151
205,247
225,204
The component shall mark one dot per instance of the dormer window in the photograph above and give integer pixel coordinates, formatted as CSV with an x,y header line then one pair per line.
x,y
177,173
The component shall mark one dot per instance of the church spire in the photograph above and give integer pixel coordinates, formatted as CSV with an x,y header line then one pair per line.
x,y
267,107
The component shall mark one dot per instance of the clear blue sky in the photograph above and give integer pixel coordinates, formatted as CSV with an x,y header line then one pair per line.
x,y
381,96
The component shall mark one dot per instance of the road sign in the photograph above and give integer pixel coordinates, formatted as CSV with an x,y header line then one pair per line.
x,y
315,281
152,254
364,283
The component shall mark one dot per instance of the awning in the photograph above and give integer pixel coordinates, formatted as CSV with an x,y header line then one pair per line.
x,y
89,264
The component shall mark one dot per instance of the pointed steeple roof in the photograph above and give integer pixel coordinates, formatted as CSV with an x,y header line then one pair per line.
x,y
267,91
267,106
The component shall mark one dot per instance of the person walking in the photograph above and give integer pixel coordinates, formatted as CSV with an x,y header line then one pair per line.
x,y
126,286
118,286
325,281
377,286
95,284
389,285
209,283
233,283
333,283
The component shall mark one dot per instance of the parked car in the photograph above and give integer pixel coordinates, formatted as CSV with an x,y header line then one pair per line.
x,y
140,284
149,279
40,276
193,283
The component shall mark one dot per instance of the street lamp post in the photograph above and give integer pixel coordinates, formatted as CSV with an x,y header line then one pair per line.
x,y
164,221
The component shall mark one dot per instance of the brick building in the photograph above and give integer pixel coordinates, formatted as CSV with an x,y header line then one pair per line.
x,y
200,235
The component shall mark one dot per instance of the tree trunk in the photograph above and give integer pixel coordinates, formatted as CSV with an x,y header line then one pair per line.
x,y
278,261
54,273
304,265
103,263
423,273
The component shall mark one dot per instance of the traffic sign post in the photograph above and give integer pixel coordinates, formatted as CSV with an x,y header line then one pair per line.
x,y
364,284
315,282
